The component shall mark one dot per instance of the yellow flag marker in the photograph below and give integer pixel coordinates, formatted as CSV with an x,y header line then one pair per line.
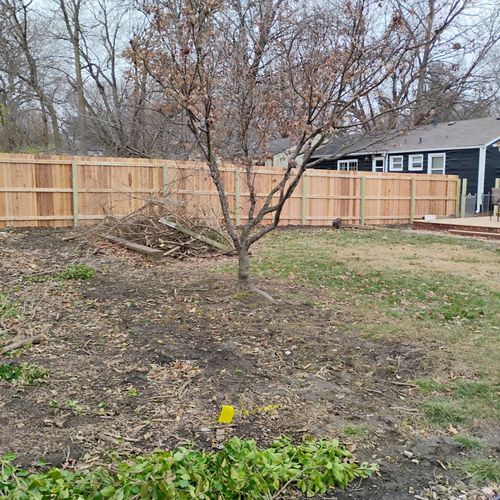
x,y
226,414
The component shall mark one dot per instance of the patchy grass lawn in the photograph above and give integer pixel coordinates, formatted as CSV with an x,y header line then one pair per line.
x,y
442,291
388,340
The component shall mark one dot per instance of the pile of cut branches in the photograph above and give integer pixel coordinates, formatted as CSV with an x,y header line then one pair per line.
x,y
169,228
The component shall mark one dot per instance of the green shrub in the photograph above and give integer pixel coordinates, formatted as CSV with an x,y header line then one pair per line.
x,y
239,470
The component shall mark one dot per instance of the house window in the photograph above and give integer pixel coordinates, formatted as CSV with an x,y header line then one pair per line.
x,y
347,165
378,164
415,163
396,163
436,163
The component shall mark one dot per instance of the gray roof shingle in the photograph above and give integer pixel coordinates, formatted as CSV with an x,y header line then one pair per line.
x,y
448,135
279,145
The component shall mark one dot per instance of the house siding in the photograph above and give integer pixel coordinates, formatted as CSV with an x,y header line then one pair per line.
x,y
492,170
461,162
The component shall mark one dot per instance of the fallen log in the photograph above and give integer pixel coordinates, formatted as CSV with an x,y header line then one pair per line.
x,y
200,237
152,253
21,343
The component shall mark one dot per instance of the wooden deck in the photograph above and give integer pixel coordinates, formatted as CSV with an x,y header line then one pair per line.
x,y
485,227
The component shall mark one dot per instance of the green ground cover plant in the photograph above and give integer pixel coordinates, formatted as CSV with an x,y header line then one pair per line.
x,y
459,401
469,443
240,470
8,309
23,374
72,272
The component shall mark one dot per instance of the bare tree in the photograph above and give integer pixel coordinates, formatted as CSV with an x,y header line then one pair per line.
x,y
12,92
15,14
240,70
444,68
70,11
119,100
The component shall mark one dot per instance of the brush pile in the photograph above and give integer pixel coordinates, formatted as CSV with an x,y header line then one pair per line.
x,y
170,228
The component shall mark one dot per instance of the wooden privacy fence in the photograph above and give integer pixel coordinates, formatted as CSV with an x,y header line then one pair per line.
x,y
68,190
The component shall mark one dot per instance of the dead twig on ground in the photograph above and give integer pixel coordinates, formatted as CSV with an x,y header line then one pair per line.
x,y
405,384
21,343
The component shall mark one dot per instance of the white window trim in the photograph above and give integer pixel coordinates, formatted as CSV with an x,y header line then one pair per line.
x,y
411,158
429,162
354,160
375,158
391,163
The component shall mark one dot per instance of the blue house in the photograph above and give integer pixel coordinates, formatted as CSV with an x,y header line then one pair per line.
x,y
468,148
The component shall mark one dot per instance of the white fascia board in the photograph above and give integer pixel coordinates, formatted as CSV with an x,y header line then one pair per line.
x,y
480,177
492,141
421,150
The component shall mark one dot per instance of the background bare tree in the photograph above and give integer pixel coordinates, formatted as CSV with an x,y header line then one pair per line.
x,y
26,66
71,79
446,74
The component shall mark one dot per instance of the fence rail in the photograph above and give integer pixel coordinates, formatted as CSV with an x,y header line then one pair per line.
x,y
66,190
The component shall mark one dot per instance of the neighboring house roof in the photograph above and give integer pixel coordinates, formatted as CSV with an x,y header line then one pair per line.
x,y
279,145
449,135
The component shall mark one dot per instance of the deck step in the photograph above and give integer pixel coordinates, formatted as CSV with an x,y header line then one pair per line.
x,y
482,234
443,226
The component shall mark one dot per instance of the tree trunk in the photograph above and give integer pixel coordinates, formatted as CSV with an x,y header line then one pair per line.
x,y
55,129
45,123
244,282
243,267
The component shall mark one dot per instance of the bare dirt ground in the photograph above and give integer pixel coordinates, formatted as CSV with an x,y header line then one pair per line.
x,y
142,357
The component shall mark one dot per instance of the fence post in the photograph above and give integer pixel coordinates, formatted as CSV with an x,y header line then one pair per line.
x,y
303,204
237,197
413,190
463,198
457,201
165,179
74,187
362,201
